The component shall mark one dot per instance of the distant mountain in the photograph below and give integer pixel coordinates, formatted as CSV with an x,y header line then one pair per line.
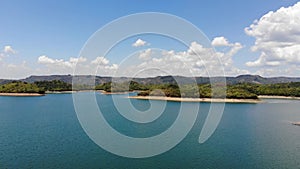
x,y
4,81
64,78
82,79
260,80
229,80
68,78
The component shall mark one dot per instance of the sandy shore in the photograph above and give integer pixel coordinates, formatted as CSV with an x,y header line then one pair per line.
x,y
196,99
21,94
278,97
61,92
104,92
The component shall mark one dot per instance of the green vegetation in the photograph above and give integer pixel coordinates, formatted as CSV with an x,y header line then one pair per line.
x,y
279,89
187,91
236,91
120,87
37,87
54,85
78,87
20,87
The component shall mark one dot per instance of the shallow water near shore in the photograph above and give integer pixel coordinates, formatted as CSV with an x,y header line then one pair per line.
x,y
44,132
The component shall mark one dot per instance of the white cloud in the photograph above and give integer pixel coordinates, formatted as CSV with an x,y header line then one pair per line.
x,y
262,61
80,65
12,69
77,60
195,61
291,70
6,52
59,66
46,65
15,70
139,43
277,37
100,61
227,57
112,67
145,55
46,60
235,47
220,41
9,50
60,62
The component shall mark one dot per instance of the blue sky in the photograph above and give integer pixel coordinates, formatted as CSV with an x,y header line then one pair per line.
x,y
59,29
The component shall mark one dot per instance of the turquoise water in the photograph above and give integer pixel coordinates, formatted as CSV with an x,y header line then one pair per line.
x,y
44,132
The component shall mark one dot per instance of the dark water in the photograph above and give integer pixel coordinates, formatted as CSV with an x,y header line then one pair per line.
x,y
44,132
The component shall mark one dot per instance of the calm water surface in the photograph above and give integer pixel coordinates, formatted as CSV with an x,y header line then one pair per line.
x,y
44,132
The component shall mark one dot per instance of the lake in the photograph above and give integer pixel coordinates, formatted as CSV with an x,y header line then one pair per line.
x,y
44,132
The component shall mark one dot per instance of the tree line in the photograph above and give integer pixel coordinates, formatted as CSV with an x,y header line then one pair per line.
x,y
37,87
238,91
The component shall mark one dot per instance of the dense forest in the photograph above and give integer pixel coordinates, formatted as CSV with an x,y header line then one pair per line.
x,y
36,87
202,91
20,87
121,87
54,85
238,91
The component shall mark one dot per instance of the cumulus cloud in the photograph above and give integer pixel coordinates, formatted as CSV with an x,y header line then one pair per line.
x,y
7,51
197,60
60,62
81,65
46,60
100,66
277,37
227,57
100,61
145,55
220,41
139,43
262,61
15,70
77,60
59,66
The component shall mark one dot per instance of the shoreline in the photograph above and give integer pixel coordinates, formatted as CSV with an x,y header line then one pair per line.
x,y
21,94
60,92
179,99
278,97
111,93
